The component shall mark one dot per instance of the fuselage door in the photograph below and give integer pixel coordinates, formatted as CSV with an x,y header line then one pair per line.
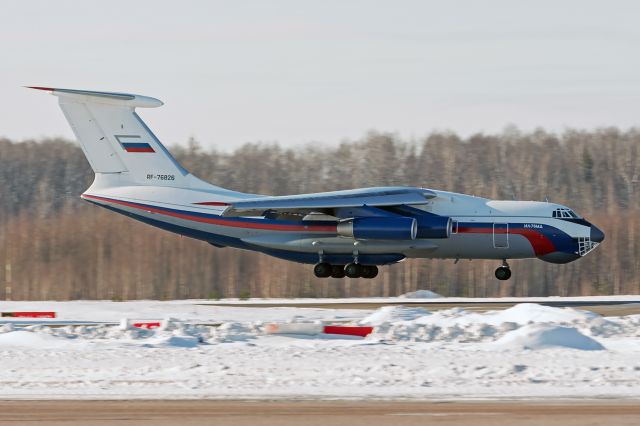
x,y
501,235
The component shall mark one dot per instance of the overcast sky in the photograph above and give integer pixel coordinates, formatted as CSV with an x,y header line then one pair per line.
x,y
298,71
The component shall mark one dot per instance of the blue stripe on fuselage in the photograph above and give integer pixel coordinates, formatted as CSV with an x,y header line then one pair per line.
x,y
310,258
562,241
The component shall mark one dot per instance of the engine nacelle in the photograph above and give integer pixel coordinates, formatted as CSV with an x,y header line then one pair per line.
x,y
434,226
379,228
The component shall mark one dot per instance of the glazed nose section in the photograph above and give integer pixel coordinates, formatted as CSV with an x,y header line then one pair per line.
x,y
597,236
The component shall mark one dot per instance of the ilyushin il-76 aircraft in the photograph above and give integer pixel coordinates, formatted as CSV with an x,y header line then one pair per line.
x,y
342,233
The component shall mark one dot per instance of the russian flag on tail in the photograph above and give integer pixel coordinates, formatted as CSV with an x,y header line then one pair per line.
x,y
137,147
132,143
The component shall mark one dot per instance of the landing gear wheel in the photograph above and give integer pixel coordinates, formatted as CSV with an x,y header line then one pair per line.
x,y
322,270
503,273
369,271
337,271
353,270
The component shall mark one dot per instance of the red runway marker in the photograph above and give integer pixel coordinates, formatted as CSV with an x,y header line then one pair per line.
x,y
26,314
351,331
146,325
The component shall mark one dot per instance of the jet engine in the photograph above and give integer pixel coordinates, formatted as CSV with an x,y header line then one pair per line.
x,y
434,226
379,228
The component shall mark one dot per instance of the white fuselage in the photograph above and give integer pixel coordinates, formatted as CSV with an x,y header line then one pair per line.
x,y
482,228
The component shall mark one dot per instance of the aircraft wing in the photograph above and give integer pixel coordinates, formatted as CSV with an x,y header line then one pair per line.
x,y
326,201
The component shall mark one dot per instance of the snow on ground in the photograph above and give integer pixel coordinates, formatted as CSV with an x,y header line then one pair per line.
x,y
421,294
541,336
393,314
527,351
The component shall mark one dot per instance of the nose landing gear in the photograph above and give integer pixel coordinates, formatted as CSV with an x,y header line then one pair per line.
x,y
503,272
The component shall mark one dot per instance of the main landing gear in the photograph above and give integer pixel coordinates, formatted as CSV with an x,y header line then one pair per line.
x,y
352,270
503,272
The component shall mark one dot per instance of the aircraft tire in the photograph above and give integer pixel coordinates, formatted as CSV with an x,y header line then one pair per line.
x,y
353,270
337,271
322,270
369,271
503,273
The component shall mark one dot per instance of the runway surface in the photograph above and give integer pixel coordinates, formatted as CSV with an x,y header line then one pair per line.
x,y
604,308
320,413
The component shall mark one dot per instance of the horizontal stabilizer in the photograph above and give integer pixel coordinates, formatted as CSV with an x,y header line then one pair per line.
x,y
112,98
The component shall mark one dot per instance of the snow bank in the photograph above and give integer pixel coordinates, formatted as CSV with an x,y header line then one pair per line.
x,y
173,341
462,326
414,331
421,294
541,336
390,314
524,313
29,339
172,333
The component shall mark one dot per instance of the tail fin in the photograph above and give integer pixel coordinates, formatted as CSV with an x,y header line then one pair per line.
x,y
116,141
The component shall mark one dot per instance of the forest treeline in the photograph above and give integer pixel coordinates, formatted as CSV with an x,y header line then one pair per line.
x,y
55,246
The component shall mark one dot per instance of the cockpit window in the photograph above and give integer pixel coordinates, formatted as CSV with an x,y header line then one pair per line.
x,y
564,213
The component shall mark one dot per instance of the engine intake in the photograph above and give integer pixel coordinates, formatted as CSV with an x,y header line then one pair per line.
x,y
379,228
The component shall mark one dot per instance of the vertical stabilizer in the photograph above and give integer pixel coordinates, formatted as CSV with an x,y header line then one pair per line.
x,y
117,142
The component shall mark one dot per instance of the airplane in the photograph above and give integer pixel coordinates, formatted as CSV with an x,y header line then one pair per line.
x,y
342,233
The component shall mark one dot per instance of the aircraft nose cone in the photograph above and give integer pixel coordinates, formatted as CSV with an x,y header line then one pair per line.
x,y
597,236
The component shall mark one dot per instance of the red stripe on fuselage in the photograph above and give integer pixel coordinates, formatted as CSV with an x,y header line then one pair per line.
x,y
221,222
541,244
